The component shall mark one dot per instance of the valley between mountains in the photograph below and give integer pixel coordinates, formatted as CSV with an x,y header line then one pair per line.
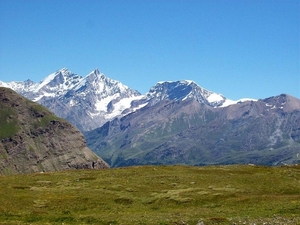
x,y
176,122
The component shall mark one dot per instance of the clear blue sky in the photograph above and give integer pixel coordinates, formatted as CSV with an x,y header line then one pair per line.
x,y
239,48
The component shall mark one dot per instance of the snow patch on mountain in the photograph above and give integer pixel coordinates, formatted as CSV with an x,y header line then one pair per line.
x,y
18,86
232,102
45,81
122,105
101,105
214,97
51,95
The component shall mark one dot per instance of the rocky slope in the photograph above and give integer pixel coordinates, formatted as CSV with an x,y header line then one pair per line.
x,y
35,140
188,132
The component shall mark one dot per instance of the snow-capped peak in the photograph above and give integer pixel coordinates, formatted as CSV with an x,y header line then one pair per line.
x,y
187,82
101,84
183,90
56,84
60,80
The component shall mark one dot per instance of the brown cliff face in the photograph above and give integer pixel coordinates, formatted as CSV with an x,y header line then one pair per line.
x,y
32,139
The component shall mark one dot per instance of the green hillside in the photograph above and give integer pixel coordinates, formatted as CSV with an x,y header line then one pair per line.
x,y
154,195
33,139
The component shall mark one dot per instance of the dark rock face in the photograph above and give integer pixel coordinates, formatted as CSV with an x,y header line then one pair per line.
x,y
182,90
32,139
263,132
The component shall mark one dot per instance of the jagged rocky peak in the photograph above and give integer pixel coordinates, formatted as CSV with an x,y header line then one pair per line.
x,y
28,83
102,86
172,90
99,77
99,80
93,75
65,71
182,90
66,76
62,79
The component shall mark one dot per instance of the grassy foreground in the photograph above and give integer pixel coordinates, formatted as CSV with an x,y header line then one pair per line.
x,y
154,195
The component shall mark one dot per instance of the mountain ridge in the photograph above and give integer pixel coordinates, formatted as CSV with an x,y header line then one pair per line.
x,y
264,132
87,102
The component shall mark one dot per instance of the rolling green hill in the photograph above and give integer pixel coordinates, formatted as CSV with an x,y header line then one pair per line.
x,y
154,195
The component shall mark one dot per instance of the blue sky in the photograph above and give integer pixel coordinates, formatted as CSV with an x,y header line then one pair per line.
x,y
239,48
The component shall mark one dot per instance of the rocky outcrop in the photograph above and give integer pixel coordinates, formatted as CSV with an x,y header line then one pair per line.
x,y
33,139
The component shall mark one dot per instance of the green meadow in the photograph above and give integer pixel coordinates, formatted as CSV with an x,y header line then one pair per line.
x,y
232,194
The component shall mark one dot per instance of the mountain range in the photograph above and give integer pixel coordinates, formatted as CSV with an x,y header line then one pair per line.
x,y
175,122
185,132
88,102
